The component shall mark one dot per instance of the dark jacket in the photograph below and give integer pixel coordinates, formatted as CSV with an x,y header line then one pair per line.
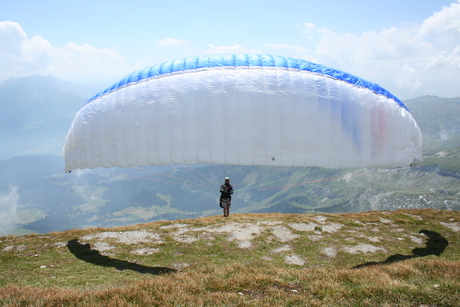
x,y
226,191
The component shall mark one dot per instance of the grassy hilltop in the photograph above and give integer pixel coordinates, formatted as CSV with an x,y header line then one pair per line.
x,y
379,258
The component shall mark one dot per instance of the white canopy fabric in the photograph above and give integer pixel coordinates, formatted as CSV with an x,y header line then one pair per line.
x,y
230,111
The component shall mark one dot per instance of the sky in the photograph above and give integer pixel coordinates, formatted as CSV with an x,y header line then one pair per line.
x,y
409,47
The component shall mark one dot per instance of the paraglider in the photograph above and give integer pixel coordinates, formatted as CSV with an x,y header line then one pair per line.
x,y
243,109
225,201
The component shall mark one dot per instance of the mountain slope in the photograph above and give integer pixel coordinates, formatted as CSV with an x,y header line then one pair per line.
x,y
438,121
35,114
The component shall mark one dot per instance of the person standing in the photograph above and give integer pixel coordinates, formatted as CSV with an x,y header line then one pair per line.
x,y
226,191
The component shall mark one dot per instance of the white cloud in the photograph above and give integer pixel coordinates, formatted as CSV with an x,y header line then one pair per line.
x,y
169,41
229,49
84,62
8,208
295,48
11,34
443,26
22,56
408,61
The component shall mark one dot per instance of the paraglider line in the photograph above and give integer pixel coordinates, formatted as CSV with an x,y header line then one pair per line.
x,y
308,182
180,183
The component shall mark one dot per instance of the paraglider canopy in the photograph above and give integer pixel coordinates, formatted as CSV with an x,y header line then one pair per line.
x,y
243,109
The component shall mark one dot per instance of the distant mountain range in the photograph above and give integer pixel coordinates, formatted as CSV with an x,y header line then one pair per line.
x,y
35,114
35,195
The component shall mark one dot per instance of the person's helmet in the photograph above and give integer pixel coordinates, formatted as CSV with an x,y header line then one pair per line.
x,y
227,178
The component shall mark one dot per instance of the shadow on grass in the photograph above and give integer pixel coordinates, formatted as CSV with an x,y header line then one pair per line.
x,y
85,253
435,245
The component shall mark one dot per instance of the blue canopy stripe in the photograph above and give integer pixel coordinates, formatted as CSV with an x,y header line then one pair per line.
x,y
233,61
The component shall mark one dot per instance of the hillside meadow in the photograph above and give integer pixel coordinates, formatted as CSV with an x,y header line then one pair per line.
x,y
378,258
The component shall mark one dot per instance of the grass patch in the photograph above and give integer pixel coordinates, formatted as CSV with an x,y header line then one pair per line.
x,y
365,259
